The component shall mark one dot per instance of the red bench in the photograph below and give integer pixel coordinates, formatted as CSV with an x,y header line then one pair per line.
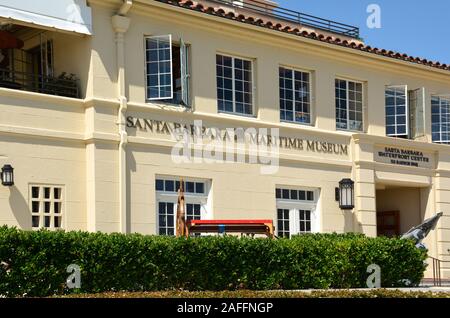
x,y
231,226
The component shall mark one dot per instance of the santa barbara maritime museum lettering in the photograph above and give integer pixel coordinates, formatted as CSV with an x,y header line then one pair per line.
x,y
230,134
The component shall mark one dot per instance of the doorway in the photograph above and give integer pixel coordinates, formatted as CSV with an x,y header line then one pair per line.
x,y
399,209
388,223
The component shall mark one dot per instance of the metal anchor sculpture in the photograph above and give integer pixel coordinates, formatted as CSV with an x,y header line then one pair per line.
x,y
420,232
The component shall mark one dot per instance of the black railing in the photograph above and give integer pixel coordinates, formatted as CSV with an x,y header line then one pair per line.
x,y
437,280
63,85
294,17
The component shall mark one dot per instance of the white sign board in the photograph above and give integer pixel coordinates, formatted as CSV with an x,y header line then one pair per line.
x,y
403,157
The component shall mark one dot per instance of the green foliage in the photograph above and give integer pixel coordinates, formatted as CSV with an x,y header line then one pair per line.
x,y
340,293
35,262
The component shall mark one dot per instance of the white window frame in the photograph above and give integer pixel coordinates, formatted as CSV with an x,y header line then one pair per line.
x,y
440,97
190,198
41,214
294,207
310,74
185,73
253,85
407,112
184,70
348,104
148,98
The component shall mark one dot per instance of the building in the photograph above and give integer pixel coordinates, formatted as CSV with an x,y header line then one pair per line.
x,y
93,151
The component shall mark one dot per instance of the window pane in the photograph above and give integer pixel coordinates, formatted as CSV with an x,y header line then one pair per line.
x,y
162,220
47,207
57,207
190,187
302,226
170,220
170,187
57,193
35,206
159,185
35,192
46,221
302,195
278,193
199,187
35,221
47,193
57,221
294,195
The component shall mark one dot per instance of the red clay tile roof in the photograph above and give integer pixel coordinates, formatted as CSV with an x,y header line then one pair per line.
x,y
188,4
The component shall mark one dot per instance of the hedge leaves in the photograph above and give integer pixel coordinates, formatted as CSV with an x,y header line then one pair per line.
x,y
34,262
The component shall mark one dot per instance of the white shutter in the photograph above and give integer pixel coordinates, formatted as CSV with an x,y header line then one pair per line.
x,y
417,117
420,111
184,73
204,212
314,220
294,221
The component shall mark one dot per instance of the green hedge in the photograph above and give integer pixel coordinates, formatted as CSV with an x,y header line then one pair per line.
x,y
35,262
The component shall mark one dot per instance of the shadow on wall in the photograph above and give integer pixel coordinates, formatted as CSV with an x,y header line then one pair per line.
x,y
131,167
20,209
350,224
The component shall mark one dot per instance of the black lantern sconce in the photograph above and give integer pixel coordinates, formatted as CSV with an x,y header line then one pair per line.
x,y
7,175
345,194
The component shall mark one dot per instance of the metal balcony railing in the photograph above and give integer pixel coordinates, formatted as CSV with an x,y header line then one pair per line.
x,y
63,85
294,17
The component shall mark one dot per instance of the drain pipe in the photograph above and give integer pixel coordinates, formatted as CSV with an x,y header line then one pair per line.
x,y
120,24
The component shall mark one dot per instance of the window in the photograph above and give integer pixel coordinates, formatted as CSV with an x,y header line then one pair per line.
x,y
196,198
173,186
296,211
404,112
46,206
167,73
295,99
193,211
166,214
283,223
396,111
234,85
349,105
440,119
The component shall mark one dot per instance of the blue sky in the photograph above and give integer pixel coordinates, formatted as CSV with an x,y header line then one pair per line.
x,y
416,27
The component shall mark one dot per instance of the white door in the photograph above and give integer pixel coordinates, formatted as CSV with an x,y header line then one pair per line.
x,y
296,220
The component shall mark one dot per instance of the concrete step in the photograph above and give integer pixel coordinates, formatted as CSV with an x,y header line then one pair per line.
x,y
427,282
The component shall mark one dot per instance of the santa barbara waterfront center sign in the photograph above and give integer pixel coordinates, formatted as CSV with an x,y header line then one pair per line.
x,y
229,134
403,157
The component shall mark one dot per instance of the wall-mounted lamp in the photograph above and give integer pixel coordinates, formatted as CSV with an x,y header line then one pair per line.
x,y
345,194
7,175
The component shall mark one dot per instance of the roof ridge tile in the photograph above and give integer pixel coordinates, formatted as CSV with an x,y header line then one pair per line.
x,y
296,31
